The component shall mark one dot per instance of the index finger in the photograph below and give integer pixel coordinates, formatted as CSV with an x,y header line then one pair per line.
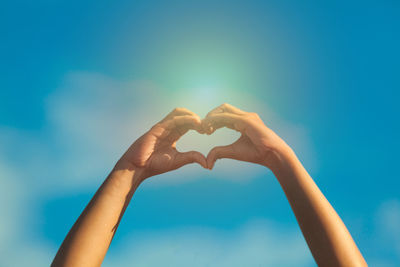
x,y
228,108
179,112
183,123
218,120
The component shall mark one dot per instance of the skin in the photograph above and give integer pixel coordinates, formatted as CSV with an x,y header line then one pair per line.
x,y
154,153
327,237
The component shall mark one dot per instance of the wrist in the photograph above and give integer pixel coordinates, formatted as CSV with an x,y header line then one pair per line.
x,y
283,159
128,174
288,165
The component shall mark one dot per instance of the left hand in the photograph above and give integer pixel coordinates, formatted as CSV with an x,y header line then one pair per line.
x,y
155,152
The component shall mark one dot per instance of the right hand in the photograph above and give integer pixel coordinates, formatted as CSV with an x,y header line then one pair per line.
x,y
257,144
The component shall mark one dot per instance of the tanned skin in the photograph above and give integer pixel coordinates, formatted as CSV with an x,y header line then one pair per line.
x,y
154,153
327,237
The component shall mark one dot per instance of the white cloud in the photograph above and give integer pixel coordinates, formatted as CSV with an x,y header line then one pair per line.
x,y
258,243
382,239
388,223
92,119
15,247
95,118
388,217
10,204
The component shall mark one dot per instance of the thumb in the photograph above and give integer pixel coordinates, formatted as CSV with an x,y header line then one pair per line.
x,y
220,152
184,158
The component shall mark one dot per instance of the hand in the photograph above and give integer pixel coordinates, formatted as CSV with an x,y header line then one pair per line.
x,y
155,152
257,144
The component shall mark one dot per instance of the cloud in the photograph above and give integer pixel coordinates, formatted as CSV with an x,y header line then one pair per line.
x,y
388,224
382,237
16,247
10,204
257,243
91,120
388,218
95,118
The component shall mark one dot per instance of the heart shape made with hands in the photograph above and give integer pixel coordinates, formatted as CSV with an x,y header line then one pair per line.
x,y
157,148
223,116
203,143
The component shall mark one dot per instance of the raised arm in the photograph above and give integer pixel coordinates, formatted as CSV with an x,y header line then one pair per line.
x,y
327,237
154,153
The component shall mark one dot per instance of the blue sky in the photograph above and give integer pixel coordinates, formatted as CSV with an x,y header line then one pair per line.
x,y
80,80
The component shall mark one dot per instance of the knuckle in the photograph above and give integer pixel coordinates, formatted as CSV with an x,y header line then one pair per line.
x,y
181,110
225,105
217,151
253,115
157,125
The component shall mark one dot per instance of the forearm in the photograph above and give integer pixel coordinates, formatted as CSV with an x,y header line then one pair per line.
x,y
88,240
153,153
328,238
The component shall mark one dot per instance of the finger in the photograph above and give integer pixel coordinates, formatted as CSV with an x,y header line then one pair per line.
x,y
233,109
218,120
186,123
184,158
179,112
178,126
220,152
226,108
183,123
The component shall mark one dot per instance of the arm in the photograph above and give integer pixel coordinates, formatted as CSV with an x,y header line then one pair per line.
x,y
327,237
154,153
